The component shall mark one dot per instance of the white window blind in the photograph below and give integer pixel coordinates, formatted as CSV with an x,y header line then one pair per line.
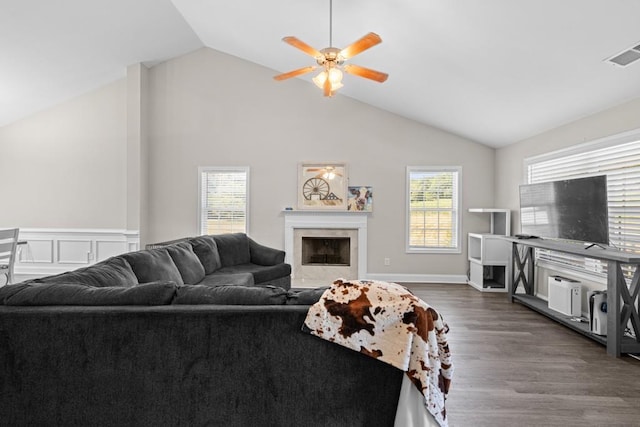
x,y
433,219
223,200
620,162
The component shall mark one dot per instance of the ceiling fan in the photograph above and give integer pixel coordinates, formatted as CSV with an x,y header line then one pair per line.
x,y
331,60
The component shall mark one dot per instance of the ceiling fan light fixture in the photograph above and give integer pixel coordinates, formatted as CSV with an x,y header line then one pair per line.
x,y
335,78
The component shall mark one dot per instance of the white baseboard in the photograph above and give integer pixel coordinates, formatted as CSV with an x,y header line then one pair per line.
x,y
54,250
396,278
419,278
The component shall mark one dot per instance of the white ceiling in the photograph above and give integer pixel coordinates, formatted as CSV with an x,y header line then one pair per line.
x,y
495,71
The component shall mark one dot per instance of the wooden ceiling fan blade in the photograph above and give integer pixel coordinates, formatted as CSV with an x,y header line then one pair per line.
x,y
367,73
294,73
358,46
299,44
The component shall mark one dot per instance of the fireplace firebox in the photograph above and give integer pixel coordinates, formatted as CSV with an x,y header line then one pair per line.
x,y
326,251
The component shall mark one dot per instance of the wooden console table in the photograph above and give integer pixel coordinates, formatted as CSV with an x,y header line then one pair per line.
x,y
622,299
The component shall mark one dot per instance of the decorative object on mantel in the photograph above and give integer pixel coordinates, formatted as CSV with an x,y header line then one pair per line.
x,y
322,186
331,60
360,199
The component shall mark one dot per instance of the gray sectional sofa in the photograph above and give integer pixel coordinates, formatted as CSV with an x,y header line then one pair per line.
x,y
181,335
205,261
234,258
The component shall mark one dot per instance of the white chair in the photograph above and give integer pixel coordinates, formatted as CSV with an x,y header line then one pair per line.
x,y
8,249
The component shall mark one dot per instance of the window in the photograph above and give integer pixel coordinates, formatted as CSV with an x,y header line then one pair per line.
x,y
619,159
433,201
224,200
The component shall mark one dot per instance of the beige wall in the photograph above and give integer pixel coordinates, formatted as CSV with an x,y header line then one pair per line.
x,y
127,154
66,167
211,109
102,159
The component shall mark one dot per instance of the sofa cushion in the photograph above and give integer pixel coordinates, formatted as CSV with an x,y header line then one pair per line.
x,y
206,250
188,264
264,255
233,248
230,295
261,273
153,265
305,296
156,293
114,271
8,291
243,279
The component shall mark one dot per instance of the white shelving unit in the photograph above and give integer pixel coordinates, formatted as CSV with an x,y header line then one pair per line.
x,y
489,254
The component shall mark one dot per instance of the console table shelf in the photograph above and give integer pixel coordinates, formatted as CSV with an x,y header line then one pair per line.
x,y
541,307
622,299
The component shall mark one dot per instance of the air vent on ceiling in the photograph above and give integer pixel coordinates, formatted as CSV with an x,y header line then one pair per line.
x,y
626,57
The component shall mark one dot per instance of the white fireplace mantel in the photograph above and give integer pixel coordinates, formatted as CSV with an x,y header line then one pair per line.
x,y
330,220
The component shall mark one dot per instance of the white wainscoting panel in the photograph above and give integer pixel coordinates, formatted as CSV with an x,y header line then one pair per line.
x,y
51,251
106,249
36,250
74,251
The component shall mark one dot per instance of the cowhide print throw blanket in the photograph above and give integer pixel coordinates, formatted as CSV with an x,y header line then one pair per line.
x,y
384,320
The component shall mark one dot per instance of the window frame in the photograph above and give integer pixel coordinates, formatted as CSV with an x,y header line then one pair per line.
x,y
587,267
208,169
456,211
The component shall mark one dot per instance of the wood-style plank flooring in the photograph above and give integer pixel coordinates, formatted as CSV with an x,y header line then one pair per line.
x,y
515,367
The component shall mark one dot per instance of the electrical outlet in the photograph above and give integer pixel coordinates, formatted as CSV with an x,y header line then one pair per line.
x,y
387,261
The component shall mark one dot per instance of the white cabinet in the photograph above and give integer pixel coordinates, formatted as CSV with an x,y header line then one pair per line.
x,y
488,249
488,253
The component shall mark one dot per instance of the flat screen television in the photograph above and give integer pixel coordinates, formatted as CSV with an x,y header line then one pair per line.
x,y
572,209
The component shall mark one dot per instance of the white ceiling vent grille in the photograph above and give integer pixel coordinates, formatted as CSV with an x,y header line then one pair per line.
x,y
626,57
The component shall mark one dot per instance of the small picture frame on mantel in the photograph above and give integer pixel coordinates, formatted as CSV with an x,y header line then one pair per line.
x,y
322,186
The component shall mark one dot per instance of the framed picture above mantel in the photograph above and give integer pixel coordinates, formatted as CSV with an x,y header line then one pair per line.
x,y
322,186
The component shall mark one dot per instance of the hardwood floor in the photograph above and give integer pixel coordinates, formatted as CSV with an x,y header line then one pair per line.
x,y
515,367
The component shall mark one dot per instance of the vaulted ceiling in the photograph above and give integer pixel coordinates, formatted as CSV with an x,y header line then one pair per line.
x,y
495,71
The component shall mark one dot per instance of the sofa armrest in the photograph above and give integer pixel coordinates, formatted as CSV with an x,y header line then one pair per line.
x,y
263,255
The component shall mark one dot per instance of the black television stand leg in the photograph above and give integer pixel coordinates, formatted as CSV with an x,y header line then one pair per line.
x,y
521,271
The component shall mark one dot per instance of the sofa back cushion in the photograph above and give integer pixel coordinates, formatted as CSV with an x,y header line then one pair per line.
x,y
230,295
233,248
188,264
157,293
114,271
153,265
206,250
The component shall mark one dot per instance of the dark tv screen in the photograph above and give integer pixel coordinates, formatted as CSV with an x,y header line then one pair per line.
x,y
573,209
